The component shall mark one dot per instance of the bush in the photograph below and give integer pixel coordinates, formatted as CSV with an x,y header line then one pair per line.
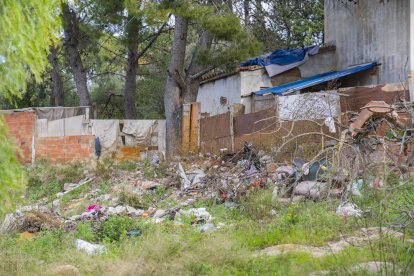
x,y
105,166
127,165
85,232
116,227
12,179
46,179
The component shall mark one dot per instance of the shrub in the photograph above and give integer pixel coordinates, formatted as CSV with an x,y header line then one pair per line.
x,y
116,227
127,165
85,232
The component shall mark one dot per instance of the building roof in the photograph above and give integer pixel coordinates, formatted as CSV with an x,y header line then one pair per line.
x,y
314,80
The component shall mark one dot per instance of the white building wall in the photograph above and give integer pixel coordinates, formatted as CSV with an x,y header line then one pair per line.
x,y
209,94
252,81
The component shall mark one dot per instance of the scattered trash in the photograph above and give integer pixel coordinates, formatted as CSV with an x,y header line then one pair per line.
x,y
208,227
27,235
311,189
330,123
185,182
94,207
348,210
356,187
273,212
116,211
200,214
159,213
89,248
134,212
134,233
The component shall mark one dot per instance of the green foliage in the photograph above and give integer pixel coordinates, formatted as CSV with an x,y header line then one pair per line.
x,y
85,232
289,24
258,204
151,171
28,28
46,180
105,166
127,165
134,200
12,178
116,227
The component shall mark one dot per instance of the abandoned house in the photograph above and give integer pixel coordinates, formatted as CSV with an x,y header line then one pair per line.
x,y
367,45
365,57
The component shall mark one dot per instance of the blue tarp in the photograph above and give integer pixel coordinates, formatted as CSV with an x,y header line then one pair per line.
x,y
317,79
281,57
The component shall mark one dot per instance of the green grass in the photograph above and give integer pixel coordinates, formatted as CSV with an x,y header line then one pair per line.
x,y
45,180
171,249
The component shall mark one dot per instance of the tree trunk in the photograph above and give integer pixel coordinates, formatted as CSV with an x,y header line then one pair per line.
x,y
193,81
71,30
246,9
57,85
131,70
172,96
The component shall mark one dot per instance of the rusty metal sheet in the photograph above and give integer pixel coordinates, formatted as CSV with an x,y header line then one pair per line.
x,y
263,121
216,132
360,96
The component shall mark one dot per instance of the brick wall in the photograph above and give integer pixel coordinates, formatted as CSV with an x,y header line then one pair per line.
x,y
21,126
65,149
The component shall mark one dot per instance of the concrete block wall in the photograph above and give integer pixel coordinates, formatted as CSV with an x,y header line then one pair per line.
x,y
65,149
21,128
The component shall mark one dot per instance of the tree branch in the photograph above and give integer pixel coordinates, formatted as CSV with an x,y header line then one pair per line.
x,y
157,34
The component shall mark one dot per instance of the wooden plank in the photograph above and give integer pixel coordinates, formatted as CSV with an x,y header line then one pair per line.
x,y
195,127
185,129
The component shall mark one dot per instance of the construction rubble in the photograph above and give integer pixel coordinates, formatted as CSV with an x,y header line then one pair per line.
x,y
349,161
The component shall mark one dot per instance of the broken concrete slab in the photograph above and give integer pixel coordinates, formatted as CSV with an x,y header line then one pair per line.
x,y
311,189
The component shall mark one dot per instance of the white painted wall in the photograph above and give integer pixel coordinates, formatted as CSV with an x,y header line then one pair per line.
x,y
231,87
210,92
252,81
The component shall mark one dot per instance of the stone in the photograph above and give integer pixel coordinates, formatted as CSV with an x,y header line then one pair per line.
x,y
56,203
198,213
89,248
273,212
311,189
148,184
159,213
348,210
134,212
69,186
285,171
208,227
104,197
75,217
116,211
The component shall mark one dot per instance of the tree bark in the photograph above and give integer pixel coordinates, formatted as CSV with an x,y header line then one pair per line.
x,y
193,83
57,85
246,9
71,30
131,69
173,87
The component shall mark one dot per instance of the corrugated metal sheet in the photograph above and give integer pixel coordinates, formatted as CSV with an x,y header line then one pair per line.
x,y
321,78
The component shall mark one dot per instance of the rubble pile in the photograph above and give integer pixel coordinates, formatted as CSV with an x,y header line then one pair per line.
x,y
338,171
